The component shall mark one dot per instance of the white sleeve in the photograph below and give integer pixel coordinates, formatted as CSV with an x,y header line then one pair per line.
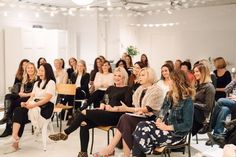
x,y
51,88
34,88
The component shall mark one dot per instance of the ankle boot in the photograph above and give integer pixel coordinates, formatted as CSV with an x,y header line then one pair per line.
x,y
8,130
7,112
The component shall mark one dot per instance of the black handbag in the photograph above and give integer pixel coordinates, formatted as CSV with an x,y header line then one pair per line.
x,y
16,88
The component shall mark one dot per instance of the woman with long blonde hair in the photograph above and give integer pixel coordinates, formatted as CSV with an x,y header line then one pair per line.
x,y
174,122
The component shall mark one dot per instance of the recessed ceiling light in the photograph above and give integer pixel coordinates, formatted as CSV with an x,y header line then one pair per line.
x,y
82,2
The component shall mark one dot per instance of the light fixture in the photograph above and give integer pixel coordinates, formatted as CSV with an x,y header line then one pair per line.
x,y
82,2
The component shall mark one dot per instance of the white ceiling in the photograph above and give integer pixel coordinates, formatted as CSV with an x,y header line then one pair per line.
x,y
103,3
137,6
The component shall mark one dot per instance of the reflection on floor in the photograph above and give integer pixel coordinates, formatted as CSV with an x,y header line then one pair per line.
x,y
30,147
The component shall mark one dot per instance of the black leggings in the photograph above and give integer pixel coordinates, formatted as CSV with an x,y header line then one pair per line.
x,y
20,115
92,118
95,98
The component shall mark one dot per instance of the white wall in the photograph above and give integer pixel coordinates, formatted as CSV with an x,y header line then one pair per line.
x,y
2,67
202,33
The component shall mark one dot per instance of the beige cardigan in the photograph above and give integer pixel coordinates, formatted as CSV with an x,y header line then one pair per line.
x,y
153,97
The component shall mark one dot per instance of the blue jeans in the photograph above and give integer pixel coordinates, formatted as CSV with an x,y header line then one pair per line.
x,y
225,105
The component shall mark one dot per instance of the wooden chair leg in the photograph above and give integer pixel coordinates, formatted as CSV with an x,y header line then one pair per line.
x,y
91,149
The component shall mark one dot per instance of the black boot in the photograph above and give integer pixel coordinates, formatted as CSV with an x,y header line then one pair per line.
x,y
7,112
8,130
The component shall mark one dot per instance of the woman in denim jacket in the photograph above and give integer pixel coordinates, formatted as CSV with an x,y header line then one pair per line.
x,y
174,122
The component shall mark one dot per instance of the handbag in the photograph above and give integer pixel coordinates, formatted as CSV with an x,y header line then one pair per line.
x,y
16,88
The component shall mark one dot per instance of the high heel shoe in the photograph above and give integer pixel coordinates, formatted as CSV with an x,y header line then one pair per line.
x,y
100,155
13,147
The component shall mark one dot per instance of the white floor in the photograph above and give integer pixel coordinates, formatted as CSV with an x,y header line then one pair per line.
x,y
30,147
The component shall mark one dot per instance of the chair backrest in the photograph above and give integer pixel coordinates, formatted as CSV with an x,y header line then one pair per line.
x,y
66,89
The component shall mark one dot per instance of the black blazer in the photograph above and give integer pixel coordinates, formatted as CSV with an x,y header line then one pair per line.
x,y
84,82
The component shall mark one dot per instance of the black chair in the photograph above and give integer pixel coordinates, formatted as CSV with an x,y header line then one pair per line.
x,y
207,126
166,150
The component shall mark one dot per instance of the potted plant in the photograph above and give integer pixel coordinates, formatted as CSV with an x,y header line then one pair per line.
x,y
132,51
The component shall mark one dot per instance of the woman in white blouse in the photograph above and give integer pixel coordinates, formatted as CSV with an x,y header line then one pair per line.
x,y
102,81
60,74
42,99
165,80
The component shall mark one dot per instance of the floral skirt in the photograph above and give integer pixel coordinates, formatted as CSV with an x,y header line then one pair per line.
x,y
148,137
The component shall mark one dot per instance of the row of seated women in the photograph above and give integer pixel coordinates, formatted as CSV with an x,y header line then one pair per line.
x,y
147,100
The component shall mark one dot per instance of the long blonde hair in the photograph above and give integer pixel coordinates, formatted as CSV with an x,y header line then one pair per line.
x,y
205,73
181,87
26,77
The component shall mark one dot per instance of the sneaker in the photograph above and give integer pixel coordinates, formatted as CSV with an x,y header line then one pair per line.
x,y
58,137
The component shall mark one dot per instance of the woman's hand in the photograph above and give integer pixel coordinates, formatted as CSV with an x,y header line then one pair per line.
x,y
162,126
123,107
108,108
29,106
23,104
102,106
21,94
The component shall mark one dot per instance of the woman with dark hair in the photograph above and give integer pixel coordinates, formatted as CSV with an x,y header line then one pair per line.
x,y
144,60
174,122
105,115
42,100
97,67
129,62
122,63
177,64
171,64
70,71
29,78
134,77
187,67
41,61
102,81
165,80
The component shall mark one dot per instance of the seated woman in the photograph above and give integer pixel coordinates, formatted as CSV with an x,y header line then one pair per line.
x,y
205,96
60,74
175,120
97,67
165,80
42,98
102,81
224,106
106,115
134,77
13,100
147,100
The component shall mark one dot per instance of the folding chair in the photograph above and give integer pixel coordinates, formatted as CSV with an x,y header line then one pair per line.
x,y
64,89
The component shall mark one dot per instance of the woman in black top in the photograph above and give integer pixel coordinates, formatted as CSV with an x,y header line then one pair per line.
x,y
223,77
12,100
70,71
106,115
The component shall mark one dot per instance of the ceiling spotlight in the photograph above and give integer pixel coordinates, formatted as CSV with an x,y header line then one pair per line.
x,y
108,3
82,2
